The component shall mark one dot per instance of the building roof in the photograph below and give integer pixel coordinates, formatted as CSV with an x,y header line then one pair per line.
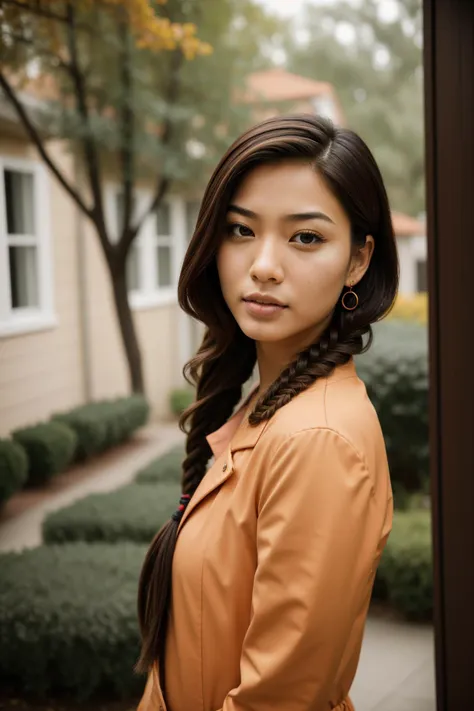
x,y
279,85
406,226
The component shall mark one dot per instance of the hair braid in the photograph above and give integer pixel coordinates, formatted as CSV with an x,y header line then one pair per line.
x,y
211,413
316,361
219,389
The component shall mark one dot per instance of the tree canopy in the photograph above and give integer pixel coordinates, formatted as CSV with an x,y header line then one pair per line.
x,y
113,80
374,61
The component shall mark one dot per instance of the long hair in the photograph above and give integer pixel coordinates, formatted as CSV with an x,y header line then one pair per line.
x,y
227,357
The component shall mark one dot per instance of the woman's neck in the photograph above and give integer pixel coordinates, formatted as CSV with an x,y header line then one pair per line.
x,y
273,357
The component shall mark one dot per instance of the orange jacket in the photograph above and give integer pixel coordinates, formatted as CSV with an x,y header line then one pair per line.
x,y
276,558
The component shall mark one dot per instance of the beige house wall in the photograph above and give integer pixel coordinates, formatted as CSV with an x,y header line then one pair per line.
x,y
81,356
42,372
157,332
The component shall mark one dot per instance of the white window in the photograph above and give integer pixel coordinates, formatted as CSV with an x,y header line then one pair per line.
x,y
192,212
156,253
26,279
163,247
421,275
133,269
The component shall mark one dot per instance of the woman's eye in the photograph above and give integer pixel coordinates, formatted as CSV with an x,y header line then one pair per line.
x,y
307,238
238,230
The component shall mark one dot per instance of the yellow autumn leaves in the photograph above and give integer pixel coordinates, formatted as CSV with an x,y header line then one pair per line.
x,y
411,308
150,30
158,33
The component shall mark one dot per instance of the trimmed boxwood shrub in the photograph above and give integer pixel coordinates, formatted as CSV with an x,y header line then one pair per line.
x,y
133,513
164,468
405,573
68,620
395,371
102,425
181,399
50,448
13,468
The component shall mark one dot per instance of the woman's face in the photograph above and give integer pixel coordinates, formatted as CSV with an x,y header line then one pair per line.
x,y
286,255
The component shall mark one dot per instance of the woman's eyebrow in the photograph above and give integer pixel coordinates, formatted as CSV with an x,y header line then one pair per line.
x,y
298,216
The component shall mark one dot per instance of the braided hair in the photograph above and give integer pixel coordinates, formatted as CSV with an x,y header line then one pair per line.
x,y
227,357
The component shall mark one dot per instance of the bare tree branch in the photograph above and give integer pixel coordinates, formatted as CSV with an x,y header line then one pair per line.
x,y
127,129
38,53
163,183
41,12
91,154
39,144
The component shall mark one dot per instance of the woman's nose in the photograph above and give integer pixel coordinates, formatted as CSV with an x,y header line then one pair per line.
x,y
266,265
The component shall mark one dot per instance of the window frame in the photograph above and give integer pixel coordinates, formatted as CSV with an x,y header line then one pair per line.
x,y
149,294
17,321
164,240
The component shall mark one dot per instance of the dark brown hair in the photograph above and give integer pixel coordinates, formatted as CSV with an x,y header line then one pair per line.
x,y
227,357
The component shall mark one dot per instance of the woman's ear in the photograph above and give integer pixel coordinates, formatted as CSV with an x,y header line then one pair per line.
x,y
360,261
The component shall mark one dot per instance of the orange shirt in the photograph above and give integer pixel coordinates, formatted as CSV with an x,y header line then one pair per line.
x,y
276,557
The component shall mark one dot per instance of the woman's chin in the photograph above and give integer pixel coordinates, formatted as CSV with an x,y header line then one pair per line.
x,y
263,332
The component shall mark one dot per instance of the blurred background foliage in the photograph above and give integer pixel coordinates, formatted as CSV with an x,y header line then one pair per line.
x,y
374,60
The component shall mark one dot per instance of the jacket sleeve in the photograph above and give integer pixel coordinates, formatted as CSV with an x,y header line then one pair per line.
x,y
318,529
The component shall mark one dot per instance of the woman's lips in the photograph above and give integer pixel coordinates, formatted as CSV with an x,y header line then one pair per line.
x,y
256,308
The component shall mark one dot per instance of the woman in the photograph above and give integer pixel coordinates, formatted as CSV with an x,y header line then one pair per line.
x,y
254,596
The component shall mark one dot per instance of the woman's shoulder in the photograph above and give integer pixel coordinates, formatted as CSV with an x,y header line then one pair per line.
x,y
338,403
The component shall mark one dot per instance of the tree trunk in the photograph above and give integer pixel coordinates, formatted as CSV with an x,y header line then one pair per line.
x,y
127,325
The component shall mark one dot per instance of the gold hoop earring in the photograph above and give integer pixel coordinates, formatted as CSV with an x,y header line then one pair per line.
x,y
350,293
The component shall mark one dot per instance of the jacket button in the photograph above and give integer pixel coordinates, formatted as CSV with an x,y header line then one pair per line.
x,y
224,468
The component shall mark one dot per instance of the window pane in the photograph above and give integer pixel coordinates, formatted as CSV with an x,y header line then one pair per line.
x,y
19,200
422,275
23,277
119,207
133,269
192,211
164,266
120,210
163,220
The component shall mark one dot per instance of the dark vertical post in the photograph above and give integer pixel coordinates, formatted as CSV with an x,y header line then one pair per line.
x,y
449,112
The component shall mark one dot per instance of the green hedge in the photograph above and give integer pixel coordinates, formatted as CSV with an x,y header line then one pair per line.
x,y
395,370
181,399
13,468
50,448
68,620
102,425
164,468
405,573
132,513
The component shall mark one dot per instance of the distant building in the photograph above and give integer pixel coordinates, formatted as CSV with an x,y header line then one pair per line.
x,y
276,91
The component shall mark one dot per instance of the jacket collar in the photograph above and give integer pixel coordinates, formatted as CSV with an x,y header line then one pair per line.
x,y
240,435
236,434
